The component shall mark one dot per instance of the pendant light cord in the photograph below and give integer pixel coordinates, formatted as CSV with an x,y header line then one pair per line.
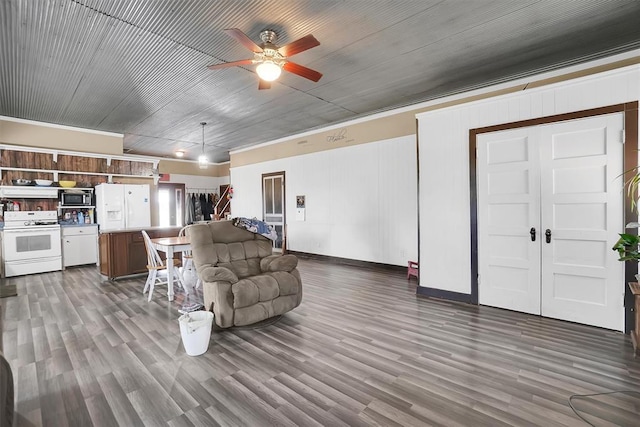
x,y
203,125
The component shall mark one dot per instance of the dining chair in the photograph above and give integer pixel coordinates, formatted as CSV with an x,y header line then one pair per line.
x,y
156,264
187,260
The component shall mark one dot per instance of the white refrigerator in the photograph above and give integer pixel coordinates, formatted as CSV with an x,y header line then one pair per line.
x,y
123,206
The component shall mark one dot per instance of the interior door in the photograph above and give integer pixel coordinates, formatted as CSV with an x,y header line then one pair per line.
x,y
561,181
273,211
582,207
508,220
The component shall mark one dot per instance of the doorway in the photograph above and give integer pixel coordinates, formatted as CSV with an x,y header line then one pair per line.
x,y
171,204
549,207
273,205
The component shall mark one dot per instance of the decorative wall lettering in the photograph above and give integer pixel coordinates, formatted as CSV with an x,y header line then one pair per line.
x,y
337,136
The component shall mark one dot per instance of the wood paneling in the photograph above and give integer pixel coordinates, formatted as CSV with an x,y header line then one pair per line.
x,y
360,350
81,164
122,167
27,159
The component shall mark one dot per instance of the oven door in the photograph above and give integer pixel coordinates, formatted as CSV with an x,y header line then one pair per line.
x,y
32,243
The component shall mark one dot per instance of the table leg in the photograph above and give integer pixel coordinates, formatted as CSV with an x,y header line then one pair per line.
x,y
170,272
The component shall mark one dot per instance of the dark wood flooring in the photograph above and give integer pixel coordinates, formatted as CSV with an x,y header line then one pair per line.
x,y
362,349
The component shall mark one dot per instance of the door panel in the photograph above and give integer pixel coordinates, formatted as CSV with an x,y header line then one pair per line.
x,y
508,189
569,184
582,279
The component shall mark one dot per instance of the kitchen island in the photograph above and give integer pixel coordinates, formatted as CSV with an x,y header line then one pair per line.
x,y
122,252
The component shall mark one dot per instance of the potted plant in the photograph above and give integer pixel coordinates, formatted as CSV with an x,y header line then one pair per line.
x,y
628,247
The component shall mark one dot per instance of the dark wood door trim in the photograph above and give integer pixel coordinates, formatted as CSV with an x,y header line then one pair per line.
x,y
284,203
630,110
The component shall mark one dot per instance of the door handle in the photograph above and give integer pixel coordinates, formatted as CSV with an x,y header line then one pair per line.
x,y
533,234
548,234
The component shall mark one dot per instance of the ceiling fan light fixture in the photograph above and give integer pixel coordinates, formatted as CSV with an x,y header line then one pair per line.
x,y
203,161
179,153
268,71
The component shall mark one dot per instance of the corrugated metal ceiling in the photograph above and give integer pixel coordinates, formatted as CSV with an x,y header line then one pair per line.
x,y
139,67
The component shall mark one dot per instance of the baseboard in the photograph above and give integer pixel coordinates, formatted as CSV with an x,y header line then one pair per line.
x,y
442,294
347,261
421,291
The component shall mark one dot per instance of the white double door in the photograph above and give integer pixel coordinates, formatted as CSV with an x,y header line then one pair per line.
x,y
550,205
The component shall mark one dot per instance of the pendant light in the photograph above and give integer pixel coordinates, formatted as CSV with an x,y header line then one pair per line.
x,y
203,162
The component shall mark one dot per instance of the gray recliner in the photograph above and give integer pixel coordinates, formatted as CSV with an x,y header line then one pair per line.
x,y
243,282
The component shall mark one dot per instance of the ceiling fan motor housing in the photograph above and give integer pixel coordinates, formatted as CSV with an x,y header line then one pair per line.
x,y
268,37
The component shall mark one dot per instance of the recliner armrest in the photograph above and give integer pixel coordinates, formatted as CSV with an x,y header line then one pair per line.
x,y
278,263
218,274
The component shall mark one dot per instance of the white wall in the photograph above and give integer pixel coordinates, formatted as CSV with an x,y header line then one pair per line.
x,y
199,182
361,201
443,135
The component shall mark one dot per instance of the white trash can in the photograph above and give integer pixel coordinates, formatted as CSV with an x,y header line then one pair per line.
x,y
195,329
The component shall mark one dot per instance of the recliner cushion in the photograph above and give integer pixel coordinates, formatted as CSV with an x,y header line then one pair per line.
x,y
254,289
287,283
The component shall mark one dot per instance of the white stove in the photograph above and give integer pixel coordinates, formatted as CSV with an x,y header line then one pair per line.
x,y
31,242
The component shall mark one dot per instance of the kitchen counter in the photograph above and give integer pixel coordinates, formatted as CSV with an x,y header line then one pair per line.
x,y
63,225
175,229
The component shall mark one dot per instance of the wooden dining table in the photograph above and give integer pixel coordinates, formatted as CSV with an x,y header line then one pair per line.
x,y
171,245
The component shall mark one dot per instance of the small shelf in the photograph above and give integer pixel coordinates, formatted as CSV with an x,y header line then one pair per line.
x,y
55,172
76,207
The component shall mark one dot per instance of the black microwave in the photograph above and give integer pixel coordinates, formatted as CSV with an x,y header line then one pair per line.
x,y
76,198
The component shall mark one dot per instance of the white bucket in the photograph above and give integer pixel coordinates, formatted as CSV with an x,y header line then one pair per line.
x,y
195,329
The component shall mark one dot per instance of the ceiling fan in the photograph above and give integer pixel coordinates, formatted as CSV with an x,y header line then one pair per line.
x,y
272,59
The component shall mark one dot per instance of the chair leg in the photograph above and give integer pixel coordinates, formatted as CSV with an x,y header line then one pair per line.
x,y
147,283
180,279
154,273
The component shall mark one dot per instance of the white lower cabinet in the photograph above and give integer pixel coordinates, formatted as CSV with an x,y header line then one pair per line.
x,y
79,245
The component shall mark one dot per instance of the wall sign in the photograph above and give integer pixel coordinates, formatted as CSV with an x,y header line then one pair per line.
x,y
300,208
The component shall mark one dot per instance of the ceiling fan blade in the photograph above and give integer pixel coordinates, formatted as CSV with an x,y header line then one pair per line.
x,y
300,45
230,64
263,84
237,34
302,71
